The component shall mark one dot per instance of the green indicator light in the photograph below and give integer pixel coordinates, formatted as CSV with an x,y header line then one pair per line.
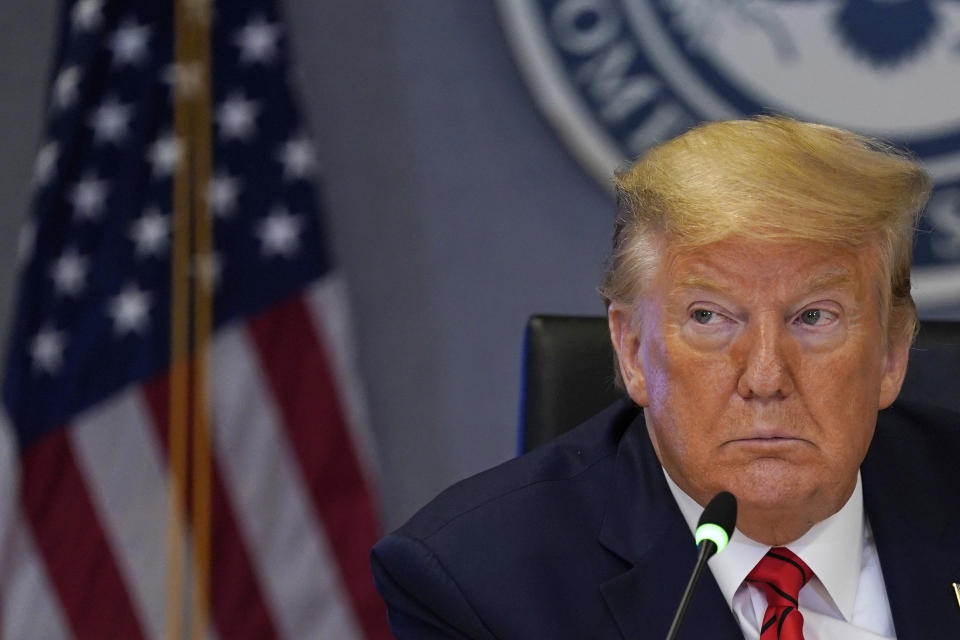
x,y
714,533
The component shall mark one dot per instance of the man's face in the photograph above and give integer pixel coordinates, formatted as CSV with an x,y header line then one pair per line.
x,y
761,367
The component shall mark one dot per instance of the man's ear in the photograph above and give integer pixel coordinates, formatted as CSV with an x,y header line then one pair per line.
x,y
894,371
625,336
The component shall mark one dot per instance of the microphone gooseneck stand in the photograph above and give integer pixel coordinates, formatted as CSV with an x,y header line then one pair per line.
x,y
714,529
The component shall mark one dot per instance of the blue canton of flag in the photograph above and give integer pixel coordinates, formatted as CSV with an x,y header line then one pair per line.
x,y
95,296
88,357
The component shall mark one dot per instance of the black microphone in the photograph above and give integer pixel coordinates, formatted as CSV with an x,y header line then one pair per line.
x,y
713,533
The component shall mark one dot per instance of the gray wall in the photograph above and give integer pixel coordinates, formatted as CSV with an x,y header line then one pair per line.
x,y
455,212
453,208
25,49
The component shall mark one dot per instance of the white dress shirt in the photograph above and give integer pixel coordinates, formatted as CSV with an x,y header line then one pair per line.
x,y
845,600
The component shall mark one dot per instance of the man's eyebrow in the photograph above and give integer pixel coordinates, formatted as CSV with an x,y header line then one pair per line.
x,y
828,280
697,281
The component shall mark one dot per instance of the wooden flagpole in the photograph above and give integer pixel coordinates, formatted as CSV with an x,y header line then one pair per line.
x,y
191,314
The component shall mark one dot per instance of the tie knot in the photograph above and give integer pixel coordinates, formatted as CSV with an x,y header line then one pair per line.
x,y
780,574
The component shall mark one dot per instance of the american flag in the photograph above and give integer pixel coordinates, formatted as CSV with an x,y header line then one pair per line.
x,y
84,467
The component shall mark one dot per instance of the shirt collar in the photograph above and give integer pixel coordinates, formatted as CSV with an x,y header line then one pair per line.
x,y
832,548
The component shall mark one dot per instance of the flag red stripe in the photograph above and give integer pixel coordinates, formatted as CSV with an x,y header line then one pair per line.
x,y
73,545
296,365
239,609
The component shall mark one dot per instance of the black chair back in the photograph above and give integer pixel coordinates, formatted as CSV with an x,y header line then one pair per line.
x,y
568,372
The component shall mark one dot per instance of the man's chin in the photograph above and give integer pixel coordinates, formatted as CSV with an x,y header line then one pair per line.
x,y
774,485
784,500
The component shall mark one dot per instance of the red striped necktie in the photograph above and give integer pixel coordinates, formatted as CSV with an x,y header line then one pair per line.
x,y
781,574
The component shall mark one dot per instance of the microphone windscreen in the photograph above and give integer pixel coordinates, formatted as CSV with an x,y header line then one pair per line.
x,y
718,520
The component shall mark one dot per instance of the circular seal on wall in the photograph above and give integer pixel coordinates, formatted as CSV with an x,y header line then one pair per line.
x,y
617,76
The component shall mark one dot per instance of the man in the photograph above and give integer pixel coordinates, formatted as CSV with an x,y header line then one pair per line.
x,y
759,306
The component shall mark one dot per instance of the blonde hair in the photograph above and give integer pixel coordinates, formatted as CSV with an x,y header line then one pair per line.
x,y
769,178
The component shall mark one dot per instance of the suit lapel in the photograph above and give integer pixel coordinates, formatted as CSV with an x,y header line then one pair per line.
x,y
644,526
910,501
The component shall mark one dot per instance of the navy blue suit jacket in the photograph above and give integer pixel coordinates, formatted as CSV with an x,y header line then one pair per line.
x,y
582,539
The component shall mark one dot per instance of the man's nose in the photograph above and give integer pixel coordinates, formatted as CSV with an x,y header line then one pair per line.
x,y
765,371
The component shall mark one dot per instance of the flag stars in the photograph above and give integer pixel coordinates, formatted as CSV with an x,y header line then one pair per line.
x,y
46,163
46,350
111,121
164,154
257,41
129,43
279,233
88,196
236,117
222,194
69,273
297,157
87,15
130,310
150,233
65,88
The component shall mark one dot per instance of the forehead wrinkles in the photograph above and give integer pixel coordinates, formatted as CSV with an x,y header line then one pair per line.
x,y
714,273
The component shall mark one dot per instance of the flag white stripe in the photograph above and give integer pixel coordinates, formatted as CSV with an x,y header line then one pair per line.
x,y
117,451
30,608
116,448
288,548
330,311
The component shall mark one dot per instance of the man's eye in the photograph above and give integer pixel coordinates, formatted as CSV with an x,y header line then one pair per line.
x,y
703,316
813,317
810,316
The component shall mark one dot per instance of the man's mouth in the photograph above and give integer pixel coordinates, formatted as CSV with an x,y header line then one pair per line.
x,y
767,440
